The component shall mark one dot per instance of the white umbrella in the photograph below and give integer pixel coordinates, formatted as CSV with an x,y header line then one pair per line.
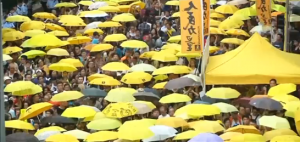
x,y
274,122
43,136
97,5
96,109
78,134
93,25
93,15
237,2
260,29
226,108
221,2
143,67
142,108
194,77
161,132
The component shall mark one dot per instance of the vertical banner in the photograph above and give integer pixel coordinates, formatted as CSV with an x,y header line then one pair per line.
x,y
206,17
191,26
263,8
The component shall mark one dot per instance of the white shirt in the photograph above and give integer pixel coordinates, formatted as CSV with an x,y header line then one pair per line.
x,y
161,116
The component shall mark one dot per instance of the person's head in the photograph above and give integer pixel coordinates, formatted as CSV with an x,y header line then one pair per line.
x,y
49,113
248,110
7,80
39,73
60,86
226,123
171,111
41,79
255,111
25,105
155,113
273,82
192,63
80,80
234,115
46,98
246,120
115,57
242,111
77,50
279,37
168,25
67,87
83,72
163,110
84,54
36,99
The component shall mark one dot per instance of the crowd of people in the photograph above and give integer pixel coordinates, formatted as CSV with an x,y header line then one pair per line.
x,y
155,25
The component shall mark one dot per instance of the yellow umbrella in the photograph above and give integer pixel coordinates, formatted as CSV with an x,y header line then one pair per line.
x,y
175,38
79,112
135,130
232,41
115,38
102,136
31,33
51,128
173,3
109,9
176,69
13,36
229,135
248,138
54,27
282,89
33,53
136,78
96,75
65,4
237,32
213,49
73,23
32,25
134,44
35,110
172,46
59,33
201,126
223,93
18,124
120,110
214,23
79,40
291,108
74,62
66,18
231,23
62,67
278,7
285,99
249,11
175,98
216,15
124,97
124,8
44,15
147,55
169,51
109,24
160,85
149,104
12,50
6,30
67,96
226,9
225,108
271,134
164,57
294,18
44,40
58,52
6,57
186,135
86,3
19,86
176,15
243,129
274,122
217,31
78,134
31,91
197,110
124,17
115,66
286,138
97,116
90,32
17,18
174,122
104,124
240,17
101,47
62,138
106,81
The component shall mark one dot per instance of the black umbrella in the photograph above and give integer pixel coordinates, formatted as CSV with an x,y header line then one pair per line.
x,y
21,137
94,92
57,119
266,103
179,83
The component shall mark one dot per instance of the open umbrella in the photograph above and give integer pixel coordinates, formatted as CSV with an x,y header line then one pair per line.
x,y
21,137
94,92
161,133
145,95
179,83
57,120
206,137
274,122
266,103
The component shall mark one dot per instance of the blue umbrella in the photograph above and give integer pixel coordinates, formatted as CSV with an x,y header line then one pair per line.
x,y
94,92
206,137
200,102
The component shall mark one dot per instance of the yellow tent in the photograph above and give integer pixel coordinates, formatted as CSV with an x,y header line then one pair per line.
x,y
256,61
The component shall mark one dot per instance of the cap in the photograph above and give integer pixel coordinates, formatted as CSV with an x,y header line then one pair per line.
x,y
37,71
7,78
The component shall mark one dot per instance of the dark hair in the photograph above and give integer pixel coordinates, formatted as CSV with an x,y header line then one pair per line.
x,y
246,116
273,80
59,82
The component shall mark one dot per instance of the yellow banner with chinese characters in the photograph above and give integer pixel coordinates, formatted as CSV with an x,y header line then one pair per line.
x,y
263,8
191,26
206,15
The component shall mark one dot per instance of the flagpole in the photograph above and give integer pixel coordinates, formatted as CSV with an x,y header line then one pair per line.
x,y
2,108
286,27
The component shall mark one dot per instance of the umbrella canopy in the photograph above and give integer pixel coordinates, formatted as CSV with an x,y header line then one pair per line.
x,y
161,133
206,137
179,83
94,92
21,137
57,120
266,103
274,122
146,94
